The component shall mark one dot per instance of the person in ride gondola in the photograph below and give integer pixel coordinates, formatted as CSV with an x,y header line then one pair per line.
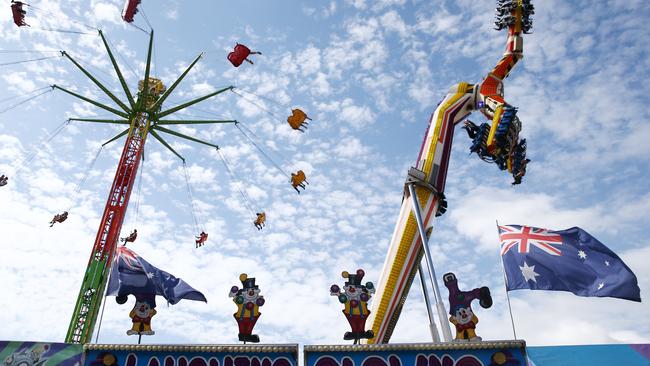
x,y
201,239
59,218
298,120
240,54
18,13
3,180
298,179
260,221
131,238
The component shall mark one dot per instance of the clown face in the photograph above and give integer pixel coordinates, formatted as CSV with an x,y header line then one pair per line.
x,y
354,293
142,309
250,294
464,315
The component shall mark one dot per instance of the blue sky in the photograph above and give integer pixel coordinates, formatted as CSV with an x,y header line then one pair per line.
x,y
369,73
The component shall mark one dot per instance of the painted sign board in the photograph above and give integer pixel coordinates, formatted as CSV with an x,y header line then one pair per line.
x,y
40,354
190,355
490,353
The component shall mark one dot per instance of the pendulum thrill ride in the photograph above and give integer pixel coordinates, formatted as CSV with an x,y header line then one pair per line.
x,y
424,197
143,116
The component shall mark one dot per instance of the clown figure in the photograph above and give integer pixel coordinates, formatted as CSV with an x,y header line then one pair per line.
x,y
143,311
460,308
465,321
248,301
355,296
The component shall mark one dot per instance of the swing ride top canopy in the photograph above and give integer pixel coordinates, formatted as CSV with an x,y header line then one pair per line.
x,y
146,103
142,116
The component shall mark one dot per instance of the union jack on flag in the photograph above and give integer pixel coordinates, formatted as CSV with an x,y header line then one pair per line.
x,y
525,237
130,259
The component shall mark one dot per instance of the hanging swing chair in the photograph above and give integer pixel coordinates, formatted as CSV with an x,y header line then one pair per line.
x,y
134,234
60,218
260,221
19,13
240,54
298,120
298,179
260,217
202,236
130,9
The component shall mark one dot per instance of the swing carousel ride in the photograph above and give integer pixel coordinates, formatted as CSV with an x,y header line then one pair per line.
x,y
141,115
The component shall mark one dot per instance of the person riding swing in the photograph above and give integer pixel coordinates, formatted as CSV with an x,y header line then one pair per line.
x,y
201,239
131,238
59,218
260,221
298,179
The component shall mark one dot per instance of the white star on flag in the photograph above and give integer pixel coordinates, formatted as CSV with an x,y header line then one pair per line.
x,y
529,272
607,263
582,254
150,274
601,285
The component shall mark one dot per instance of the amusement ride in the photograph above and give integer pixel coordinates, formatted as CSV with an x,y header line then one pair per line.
x,y
142,115
496,141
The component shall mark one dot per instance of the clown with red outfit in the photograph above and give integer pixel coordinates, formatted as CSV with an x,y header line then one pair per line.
x,y
248,302
355,296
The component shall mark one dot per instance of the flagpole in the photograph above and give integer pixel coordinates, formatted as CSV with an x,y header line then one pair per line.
x,y
505,285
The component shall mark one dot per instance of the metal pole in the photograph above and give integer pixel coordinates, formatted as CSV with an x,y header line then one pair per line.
x,y
432,325
118,72
505,287
442,312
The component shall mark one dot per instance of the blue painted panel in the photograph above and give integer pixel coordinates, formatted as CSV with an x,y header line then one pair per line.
x,y
507,353
208,355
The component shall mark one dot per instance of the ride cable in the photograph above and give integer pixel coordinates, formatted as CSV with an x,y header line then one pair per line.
x,y
255,104
284,160
263,97
54,16
138,195
126,62
13,106
297,120
30,60
28,159
141,10
82,182
252,142
240,186
197,226
28,51
24,94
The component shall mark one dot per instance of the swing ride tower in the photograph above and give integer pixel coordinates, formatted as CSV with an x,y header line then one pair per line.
x,y
143,117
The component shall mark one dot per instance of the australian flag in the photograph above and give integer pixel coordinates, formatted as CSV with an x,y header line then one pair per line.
x,y
132,275
564,260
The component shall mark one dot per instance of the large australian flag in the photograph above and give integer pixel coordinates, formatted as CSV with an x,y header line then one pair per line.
x,y
564,260
132,275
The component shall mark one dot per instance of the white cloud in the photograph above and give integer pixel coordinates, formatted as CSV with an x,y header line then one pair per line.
x,y
354,115
351,148
393,21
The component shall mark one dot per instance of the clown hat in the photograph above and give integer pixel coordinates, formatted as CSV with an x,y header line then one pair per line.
x,y
247,282
353,279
